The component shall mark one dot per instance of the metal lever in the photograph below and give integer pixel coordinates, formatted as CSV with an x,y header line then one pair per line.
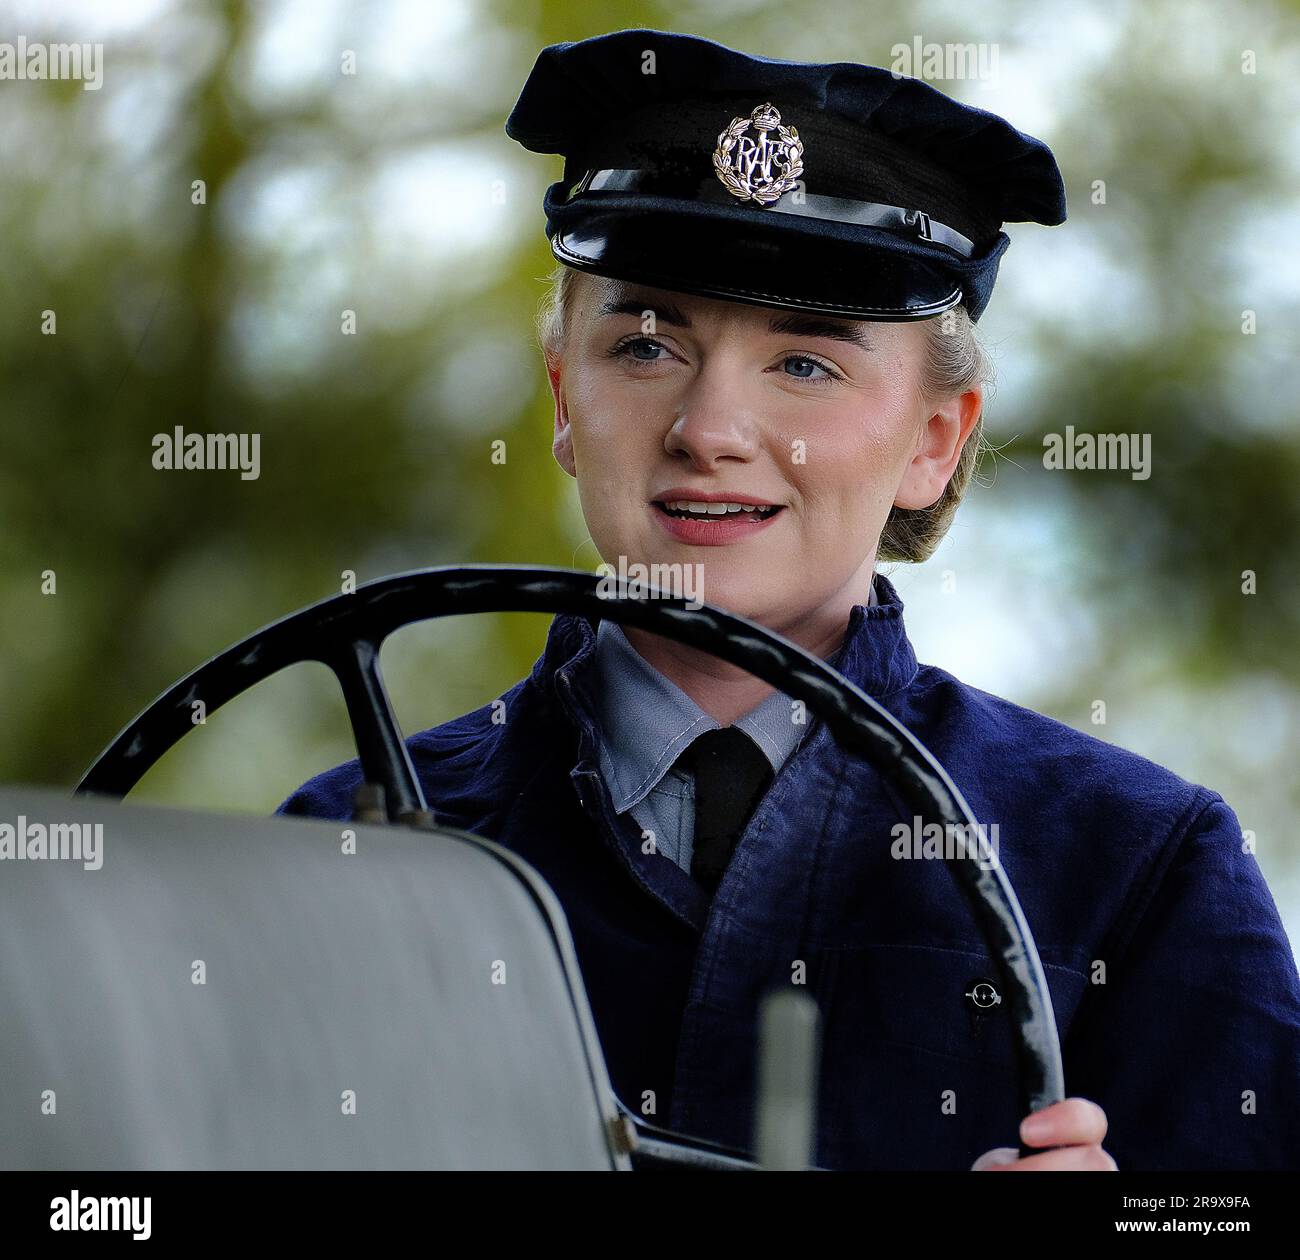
x,y
789,1052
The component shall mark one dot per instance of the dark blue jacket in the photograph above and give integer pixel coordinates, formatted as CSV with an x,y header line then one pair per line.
x,y
1174,986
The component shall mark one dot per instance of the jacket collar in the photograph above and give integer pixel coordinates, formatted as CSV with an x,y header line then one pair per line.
x,y
876,653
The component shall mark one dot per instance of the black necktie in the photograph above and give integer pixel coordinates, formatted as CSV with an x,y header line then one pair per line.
x,y
731,775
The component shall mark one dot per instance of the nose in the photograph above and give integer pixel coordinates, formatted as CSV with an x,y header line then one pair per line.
x,y
714,421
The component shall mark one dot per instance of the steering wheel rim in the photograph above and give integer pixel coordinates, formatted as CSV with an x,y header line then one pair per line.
x,y
346,632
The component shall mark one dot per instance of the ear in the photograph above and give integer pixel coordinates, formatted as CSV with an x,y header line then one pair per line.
x,y
939,447
562,442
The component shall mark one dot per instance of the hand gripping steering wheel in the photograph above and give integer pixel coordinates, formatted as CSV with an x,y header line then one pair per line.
x,y
346,633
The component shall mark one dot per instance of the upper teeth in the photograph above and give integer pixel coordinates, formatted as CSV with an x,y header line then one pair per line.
x,y
713,509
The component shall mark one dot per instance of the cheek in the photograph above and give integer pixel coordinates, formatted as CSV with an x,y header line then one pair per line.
x,y
609,424
856,460
612,433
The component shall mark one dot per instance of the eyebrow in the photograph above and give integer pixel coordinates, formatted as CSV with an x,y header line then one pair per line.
x,y
790,325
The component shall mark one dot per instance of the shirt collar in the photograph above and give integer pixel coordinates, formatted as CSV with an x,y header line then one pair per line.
x,y
875,653
635,755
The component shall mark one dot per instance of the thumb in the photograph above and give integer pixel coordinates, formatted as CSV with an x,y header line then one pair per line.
x,y
991,1159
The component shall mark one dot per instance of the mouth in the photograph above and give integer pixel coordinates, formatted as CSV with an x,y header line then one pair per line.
x,y
713,522
730,510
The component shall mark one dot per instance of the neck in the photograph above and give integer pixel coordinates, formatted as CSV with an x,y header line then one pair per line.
x,y
726,692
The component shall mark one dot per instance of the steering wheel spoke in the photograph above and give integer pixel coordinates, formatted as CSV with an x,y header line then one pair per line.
x,y
385,759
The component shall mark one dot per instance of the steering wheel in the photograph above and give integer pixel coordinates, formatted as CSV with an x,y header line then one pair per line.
x,y
347,631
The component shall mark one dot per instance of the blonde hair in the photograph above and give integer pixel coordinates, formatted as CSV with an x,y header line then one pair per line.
x,y
955,361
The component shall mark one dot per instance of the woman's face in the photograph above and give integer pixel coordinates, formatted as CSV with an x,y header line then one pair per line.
x,y
665,397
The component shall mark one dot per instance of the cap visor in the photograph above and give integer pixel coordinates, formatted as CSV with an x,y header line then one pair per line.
x,y
774,265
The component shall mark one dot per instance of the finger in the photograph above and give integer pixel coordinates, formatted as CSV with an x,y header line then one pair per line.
x,y
1071,1122
998,1155
1062,1159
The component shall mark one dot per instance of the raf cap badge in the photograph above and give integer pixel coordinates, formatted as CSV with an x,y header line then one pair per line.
x,y
761,167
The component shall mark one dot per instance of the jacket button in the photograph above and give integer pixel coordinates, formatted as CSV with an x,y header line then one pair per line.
x,y
983,995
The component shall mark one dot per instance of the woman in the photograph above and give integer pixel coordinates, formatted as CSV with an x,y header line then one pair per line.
x,y
765,373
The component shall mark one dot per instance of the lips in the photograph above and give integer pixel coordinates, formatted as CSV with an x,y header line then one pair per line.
x,y
686,501
712,519
702,509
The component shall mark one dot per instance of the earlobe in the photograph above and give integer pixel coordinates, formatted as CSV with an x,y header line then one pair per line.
x,y
562,447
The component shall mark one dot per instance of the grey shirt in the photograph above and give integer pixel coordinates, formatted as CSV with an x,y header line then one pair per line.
x,y
647,722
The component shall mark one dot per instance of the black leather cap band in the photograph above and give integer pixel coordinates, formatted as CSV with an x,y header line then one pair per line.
x,y
915,223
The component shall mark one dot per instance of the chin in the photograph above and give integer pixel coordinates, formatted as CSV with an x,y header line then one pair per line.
x,y
734,594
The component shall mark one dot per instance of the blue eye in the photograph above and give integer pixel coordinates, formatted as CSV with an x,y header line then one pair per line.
x,y
799,358
627,348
